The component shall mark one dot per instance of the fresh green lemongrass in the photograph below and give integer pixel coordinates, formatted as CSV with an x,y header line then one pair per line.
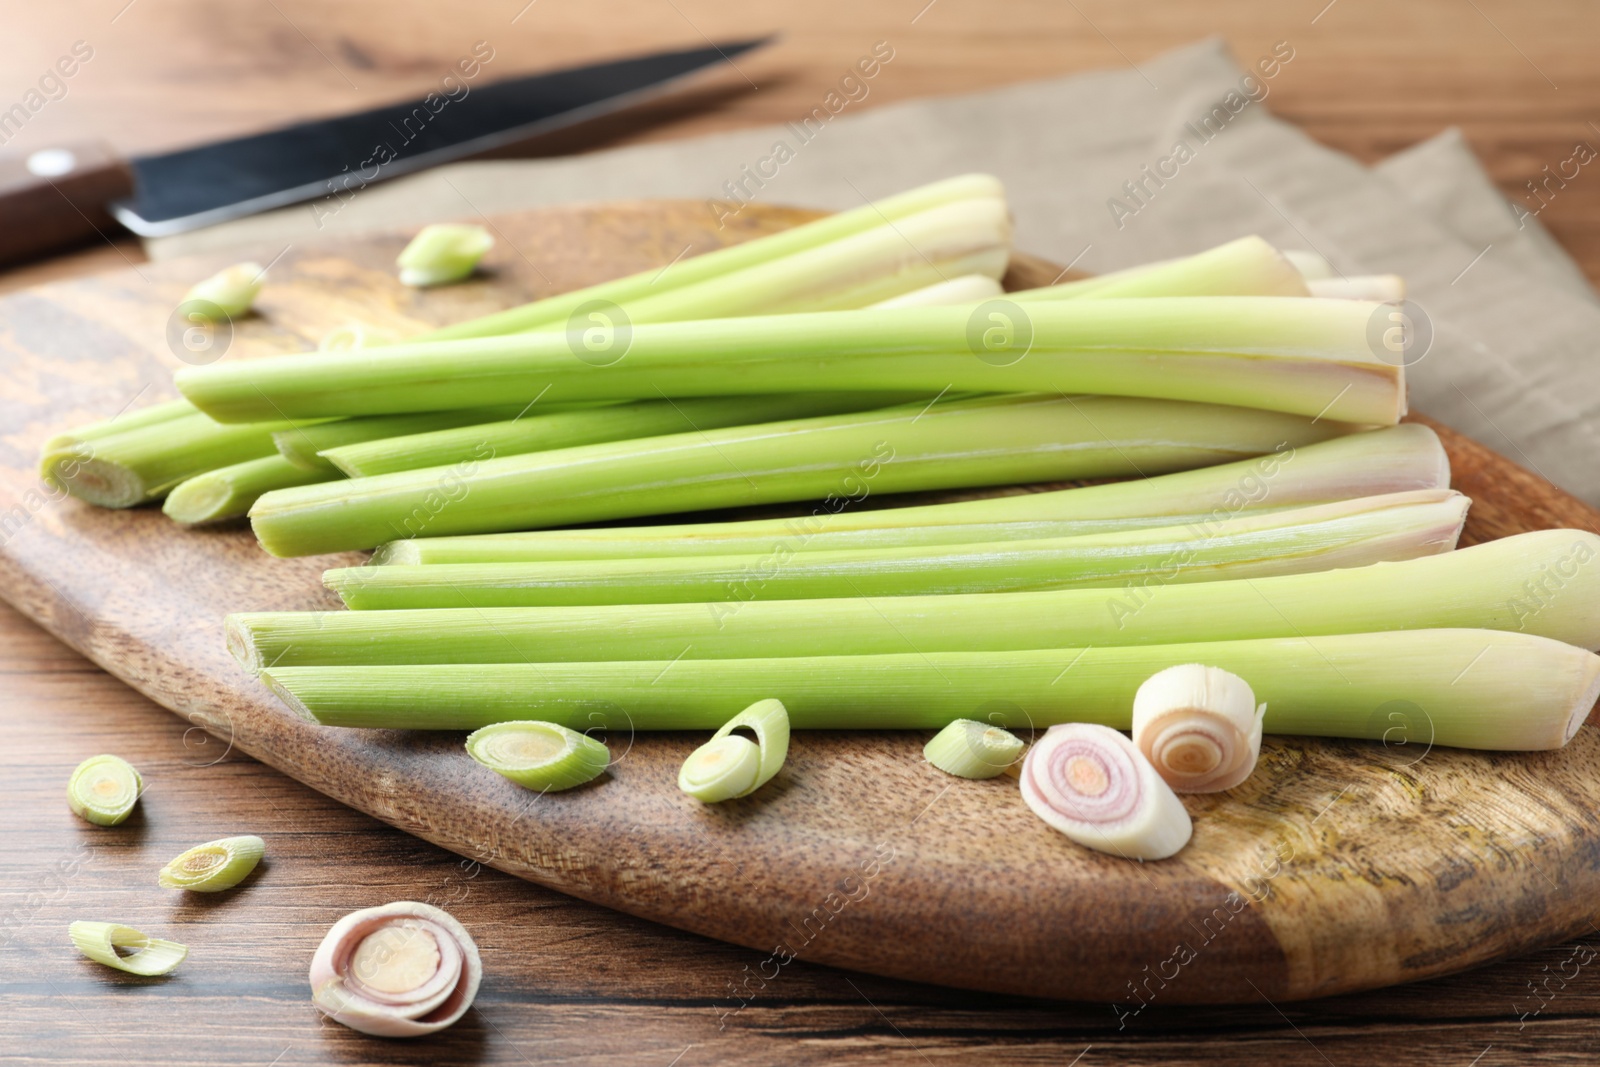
x,y
730,765
103,790
1352,533
568,429
122,422
970,749
693,270
442,253
539,755
967,289
229,293
1545,583
839,459
134,467
1395,459
1461,688
213,866
126,949
303,445
1389,288
1303,356
230,492
1248,266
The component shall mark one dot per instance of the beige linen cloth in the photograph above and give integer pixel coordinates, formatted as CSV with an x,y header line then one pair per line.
x,y
1512,319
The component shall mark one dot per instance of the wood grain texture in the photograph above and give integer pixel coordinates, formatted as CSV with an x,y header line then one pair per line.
x,y
1338,866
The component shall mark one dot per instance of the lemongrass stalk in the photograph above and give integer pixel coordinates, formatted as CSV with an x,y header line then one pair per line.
x,y
213,866
303,445
1351,533
840,459
1545,583
539,755
122,422
1389,288
1311,265
693,270
229,492
970,749
1248,266
568,429
104,789
967,289
126,949
1093,785
442,253
1462,688
1303,356
124,469
1395,459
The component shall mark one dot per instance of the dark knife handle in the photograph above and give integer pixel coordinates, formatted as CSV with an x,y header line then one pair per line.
x,y
54,197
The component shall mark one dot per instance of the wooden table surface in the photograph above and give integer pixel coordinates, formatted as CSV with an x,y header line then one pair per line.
x,y
569,982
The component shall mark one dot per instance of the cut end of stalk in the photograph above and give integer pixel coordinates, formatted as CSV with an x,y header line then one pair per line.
x,y
94,481
292,702
1584,705
198,500
241,643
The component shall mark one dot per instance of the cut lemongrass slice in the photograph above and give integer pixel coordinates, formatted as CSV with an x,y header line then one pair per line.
x,y
401,970
104,789
971,749
143,955
539,755
227,293
1199,727
1092,784
215,865
729,765
443,253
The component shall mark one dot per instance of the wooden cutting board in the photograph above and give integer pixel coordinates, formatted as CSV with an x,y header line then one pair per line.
x,y
1337,866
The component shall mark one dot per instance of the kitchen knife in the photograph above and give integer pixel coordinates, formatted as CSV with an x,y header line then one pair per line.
x,y
56,195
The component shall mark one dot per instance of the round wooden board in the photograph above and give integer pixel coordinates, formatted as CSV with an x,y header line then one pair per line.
x,y
1337,866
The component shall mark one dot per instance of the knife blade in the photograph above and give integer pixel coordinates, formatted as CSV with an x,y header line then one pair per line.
x,y
56,193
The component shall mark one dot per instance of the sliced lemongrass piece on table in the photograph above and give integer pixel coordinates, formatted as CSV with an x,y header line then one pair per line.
x,y
401,970
104,789
1092,784
126,949
971,749
1389,288
1199,727
229,492
1349,533
539,755
731,765
544,430
691,270
838,459
442,253
1340,685
229,293
1481,587
1395,459
213,866
1303,356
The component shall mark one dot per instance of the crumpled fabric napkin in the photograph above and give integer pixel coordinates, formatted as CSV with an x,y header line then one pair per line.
x,y
1112,168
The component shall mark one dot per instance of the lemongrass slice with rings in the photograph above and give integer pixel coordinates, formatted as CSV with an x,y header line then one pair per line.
x,y
401,970
104,789
971,749
1199,727
729,765
1092,784
126,949
215,865
539,755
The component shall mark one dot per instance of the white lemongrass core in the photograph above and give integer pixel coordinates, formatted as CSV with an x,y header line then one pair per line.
x,y
1092,784
1199,727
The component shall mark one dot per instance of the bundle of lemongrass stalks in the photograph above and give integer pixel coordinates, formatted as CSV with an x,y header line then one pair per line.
x,y
1277,522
